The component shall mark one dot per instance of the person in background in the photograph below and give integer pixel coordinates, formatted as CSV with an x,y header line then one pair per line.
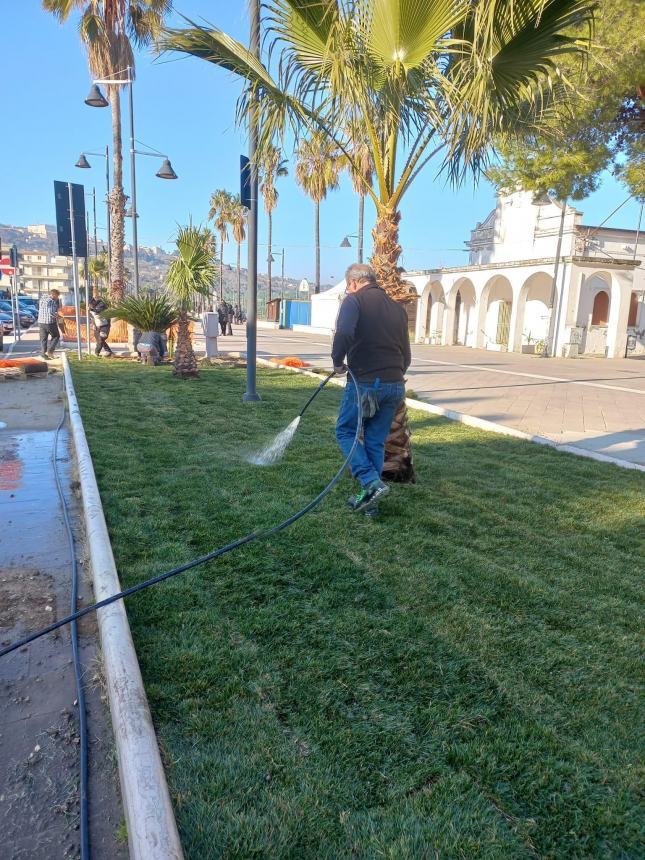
x,y
230,313
372,333
101,326
48,316
151,347
222,313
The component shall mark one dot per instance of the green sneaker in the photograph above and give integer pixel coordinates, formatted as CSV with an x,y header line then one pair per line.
x,y
368,496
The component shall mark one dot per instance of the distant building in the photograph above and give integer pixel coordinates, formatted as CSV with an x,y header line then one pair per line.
x,y
504,298
41,272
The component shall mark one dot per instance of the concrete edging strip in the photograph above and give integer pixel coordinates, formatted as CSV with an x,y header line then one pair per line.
x,y
483,424
150,819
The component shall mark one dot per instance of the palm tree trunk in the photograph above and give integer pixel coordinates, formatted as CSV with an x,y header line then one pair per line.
x,y
386,253
269,238
317,240
239,279
361,215
117,204
221,268
184,360
385,261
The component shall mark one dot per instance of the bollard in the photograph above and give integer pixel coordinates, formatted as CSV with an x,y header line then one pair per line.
x,y
210,324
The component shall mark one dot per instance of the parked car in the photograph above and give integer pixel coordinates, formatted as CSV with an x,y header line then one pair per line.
x,y
30,305
26,318
6,323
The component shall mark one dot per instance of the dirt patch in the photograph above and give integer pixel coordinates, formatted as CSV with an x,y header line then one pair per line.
x,y
44,822
27,601
32,403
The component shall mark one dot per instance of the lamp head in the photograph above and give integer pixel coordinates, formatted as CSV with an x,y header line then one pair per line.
x,y
166,171
96,97
345,243
82,161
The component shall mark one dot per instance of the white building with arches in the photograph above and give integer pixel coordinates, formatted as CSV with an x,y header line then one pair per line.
x,y
506,297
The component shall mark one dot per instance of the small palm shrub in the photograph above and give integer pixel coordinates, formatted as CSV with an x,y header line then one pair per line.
x,y
147,313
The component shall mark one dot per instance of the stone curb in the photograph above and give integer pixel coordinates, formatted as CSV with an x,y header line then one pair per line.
x,y
479,423
150,819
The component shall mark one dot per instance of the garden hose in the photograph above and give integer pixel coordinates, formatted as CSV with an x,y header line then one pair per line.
x,y
216,553
78,670
316,393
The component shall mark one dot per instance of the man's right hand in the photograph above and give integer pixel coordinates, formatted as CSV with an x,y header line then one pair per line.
x,y
340,371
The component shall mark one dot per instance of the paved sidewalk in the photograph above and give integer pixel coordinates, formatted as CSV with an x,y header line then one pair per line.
x,y
598,404
38,710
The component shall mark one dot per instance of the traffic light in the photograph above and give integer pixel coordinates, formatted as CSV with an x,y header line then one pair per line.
x,y
13,257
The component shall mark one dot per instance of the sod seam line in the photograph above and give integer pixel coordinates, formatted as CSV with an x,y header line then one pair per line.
x,y
478,423
150,819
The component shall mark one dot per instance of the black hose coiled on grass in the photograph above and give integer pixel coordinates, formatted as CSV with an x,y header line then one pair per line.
x,y
216,553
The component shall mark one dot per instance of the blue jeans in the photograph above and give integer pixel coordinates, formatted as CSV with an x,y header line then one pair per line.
x,y
367,462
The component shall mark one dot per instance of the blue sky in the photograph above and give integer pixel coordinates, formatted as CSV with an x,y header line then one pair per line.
x,y
185,108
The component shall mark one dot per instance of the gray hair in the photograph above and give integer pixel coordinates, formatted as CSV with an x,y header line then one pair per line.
x,y
360,272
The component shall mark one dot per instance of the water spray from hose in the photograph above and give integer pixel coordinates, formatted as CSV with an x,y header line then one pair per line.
x,y
274,451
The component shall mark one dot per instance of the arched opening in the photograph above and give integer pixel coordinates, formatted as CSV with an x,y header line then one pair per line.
x,y
533,313
594,309
600,310
411,307
496,304
431,308
460,325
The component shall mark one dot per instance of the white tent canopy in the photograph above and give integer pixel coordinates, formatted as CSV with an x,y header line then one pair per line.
x,y
324,307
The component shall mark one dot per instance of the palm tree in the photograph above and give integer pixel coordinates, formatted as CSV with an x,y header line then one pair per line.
x,y
317,169
98,271
191,274
421,78
221,204
109,29
239,214
271,166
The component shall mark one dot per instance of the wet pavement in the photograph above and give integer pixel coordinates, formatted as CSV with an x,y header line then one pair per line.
x,y
39,743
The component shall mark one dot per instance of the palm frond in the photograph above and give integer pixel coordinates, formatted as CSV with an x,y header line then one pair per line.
x,y
154,313
194,269
406,33
507,78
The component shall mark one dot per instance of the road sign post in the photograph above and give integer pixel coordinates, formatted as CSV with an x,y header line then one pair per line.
x,y
77,306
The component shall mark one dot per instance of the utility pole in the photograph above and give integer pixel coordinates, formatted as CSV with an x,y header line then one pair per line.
x,y
251,395
133,183
551,341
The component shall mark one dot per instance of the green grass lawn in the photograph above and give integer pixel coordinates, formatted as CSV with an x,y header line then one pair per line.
x,y
458,679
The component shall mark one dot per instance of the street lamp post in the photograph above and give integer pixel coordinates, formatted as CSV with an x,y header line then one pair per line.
x,y
84,163
97,99
251,395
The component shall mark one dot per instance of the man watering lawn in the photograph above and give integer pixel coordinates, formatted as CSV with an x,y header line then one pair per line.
x,y
372,334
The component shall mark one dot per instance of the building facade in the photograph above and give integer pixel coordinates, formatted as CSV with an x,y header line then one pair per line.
x,y
41,272
537,277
